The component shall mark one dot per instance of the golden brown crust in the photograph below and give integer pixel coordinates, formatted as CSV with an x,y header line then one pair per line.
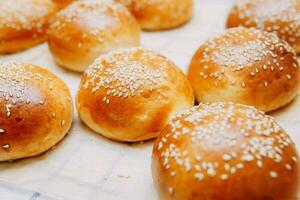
x,y
247,66
84,30
160,15
129,95
35,110
23,23
63,3
225,151
280,16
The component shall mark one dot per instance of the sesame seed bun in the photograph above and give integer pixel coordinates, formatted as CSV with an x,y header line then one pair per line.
x,y
23,23
35,110
280,16
130,94
225,151
248,66
160,14
83,31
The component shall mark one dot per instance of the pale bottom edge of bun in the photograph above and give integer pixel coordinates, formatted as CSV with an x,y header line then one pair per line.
x,y
268,109
76,62
70,67
283,105
14,46
149,27
39,153
63,59
86,118
89,122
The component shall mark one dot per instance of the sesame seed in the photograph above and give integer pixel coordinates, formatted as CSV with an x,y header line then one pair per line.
x,y
224,177
26,15
265,67
266,17
6,146
247,157
198,158
240,165
199,176
259,163
2,131
227,167
233,154
89,10
273,174
132,78
226,157
262,139
244,54
171,190
211,172
288,167
243,84
160,145
15,75
232,170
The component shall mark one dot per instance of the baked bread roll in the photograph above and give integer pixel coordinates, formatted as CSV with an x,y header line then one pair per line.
x,y
160,14
23,23
83,31
35,110
63,3
130,94
280,16
247,66
225,151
